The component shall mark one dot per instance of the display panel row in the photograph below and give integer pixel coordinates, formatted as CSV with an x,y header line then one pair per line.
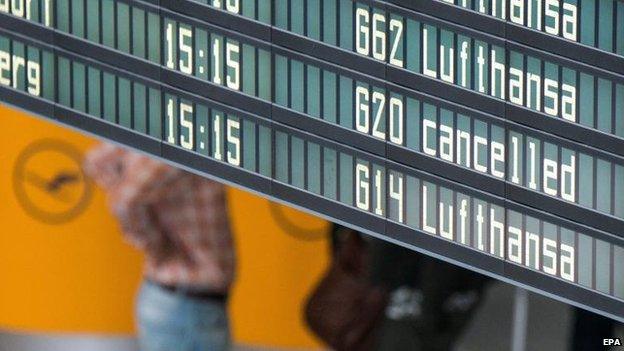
x,y
416,122
570,92
419,202
596,23
321,20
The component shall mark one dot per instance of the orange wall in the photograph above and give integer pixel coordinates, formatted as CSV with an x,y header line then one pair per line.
x,y
276,272
79,276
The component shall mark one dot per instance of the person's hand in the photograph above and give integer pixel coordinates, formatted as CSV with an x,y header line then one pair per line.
x,y
104,165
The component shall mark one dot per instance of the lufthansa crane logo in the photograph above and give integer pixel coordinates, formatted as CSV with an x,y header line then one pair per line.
x,y
49,182
296,230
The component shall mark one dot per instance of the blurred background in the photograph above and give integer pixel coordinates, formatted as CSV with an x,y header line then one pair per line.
x,y
69,280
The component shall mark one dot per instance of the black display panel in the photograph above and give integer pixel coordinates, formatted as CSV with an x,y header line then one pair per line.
x,y
411,120
420,44
420,203
505,158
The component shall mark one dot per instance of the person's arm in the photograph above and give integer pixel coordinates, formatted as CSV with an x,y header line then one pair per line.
x,y
131,198
143,179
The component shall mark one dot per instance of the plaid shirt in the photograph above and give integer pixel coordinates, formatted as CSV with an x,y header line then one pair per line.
x,y
177,218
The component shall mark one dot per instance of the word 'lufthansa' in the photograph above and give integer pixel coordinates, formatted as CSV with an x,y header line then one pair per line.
x,y
529,89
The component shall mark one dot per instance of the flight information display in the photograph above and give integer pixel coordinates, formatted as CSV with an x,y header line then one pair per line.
x,y
362,104
486,152
420,44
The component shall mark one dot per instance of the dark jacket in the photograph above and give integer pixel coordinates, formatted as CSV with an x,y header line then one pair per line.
x,y
430,302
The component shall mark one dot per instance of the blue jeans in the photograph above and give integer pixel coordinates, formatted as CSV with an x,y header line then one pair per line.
x,y
169,321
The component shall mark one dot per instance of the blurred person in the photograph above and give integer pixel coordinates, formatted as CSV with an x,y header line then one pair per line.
x,y
380,296
179,220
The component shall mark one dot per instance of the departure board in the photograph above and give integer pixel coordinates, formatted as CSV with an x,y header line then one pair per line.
x,y
487,133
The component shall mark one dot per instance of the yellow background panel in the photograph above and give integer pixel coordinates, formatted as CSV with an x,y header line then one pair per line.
x,y
80,276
